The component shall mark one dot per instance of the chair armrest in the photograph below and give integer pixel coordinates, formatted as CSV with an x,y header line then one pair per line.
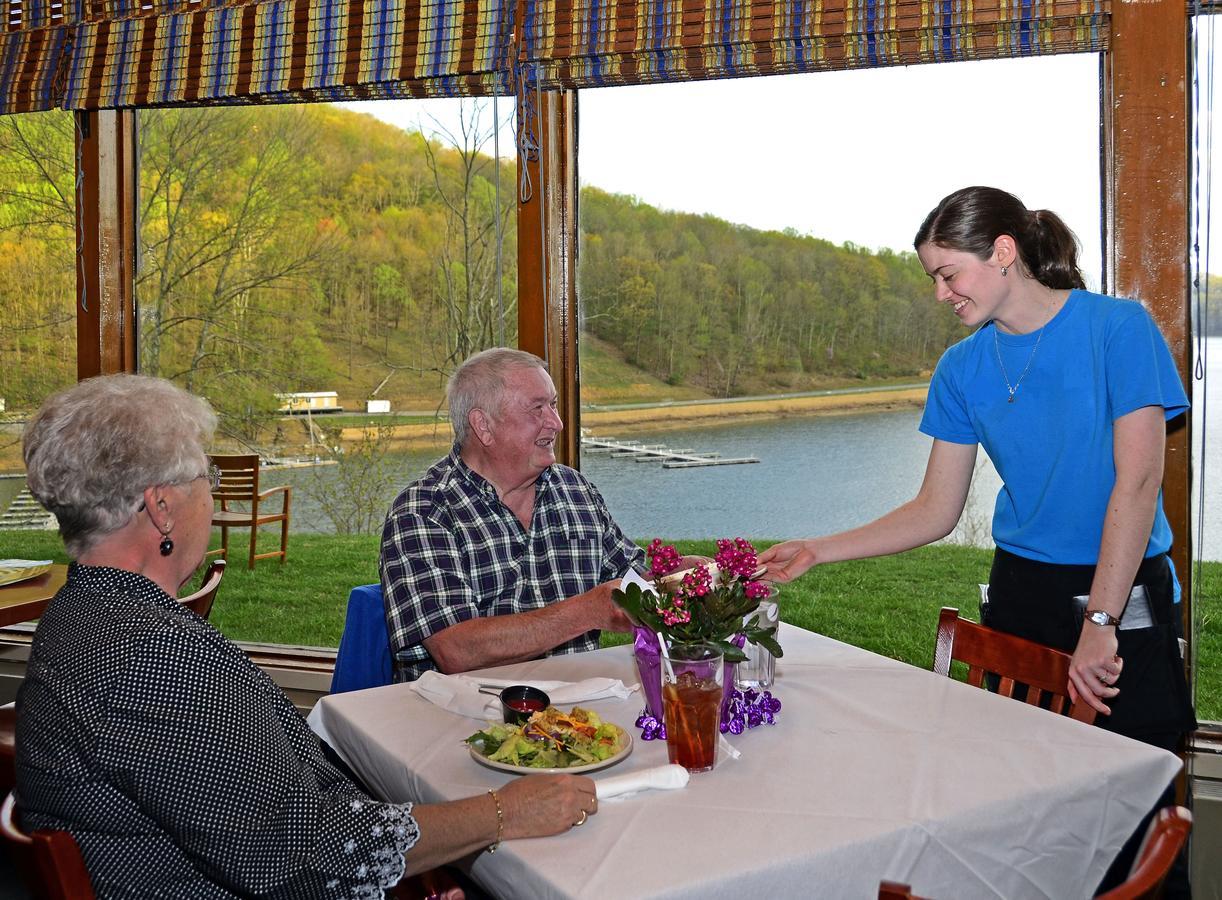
x,y
285,489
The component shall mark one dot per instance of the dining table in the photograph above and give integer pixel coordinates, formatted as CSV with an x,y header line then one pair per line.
x,y
874,769
24,600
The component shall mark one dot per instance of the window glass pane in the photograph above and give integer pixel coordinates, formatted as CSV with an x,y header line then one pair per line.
x,y
749,287
316,271
753,238
37,305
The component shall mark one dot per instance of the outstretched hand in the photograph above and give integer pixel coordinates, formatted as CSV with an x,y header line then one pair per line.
x,y
786,561
1095,668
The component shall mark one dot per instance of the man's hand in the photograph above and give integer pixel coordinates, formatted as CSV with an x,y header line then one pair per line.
x,y
1095,667
605,613
786,561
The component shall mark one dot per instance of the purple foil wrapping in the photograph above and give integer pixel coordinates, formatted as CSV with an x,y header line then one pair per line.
x,y
649,668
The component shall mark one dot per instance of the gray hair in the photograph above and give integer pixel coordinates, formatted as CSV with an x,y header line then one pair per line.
x,y
92,449
479,383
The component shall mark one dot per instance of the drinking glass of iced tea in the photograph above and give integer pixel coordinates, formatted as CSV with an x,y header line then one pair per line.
x,y
692,680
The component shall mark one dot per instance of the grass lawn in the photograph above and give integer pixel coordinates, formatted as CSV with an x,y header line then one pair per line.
x,y
888,605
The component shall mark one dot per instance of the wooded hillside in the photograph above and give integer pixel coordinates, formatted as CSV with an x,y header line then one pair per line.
x,y
313,248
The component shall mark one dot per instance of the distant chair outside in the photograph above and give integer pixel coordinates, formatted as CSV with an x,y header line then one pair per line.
x,y
240,485
1014,660
363,660
201,601
50,860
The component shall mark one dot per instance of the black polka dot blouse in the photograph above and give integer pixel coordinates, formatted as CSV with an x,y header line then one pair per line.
x,y
178,765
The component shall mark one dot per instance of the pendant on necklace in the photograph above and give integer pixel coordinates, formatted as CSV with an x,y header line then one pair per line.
x,y
1011,400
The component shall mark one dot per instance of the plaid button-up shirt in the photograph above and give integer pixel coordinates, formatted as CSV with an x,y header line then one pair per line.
x,y
451,551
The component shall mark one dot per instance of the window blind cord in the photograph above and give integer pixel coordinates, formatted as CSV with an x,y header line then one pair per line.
x,y
1202,196
544,280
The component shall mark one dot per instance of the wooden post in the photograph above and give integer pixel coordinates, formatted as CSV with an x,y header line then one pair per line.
x,y
547,254
1146,129
106,242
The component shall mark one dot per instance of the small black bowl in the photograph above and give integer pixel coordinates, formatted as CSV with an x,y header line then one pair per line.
x,y
519,701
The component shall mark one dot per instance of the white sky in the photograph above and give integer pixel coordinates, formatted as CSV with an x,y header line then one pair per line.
x,y
856,156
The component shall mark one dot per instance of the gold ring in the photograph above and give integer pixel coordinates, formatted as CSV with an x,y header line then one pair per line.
x,y
581,820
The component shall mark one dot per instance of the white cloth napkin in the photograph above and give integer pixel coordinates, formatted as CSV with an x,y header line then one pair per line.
x,y
659,778
460,693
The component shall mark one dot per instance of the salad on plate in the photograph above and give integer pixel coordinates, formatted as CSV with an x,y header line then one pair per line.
x,y
551,739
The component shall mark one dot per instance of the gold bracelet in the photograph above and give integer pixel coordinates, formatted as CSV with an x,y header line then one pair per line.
x,y
500,822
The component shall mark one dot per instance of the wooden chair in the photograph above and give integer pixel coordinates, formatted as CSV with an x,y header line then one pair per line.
x,y
1013,659
1163,843
51,860
201,601
240,484
893,890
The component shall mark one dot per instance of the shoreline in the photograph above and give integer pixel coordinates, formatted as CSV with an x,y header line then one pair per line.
x,y
638,418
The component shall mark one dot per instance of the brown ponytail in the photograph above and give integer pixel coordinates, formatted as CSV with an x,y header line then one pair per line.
x,y
972,218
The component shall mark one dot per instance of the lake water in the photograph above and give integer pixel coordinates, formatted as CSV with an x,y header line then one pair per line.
x,y
816,475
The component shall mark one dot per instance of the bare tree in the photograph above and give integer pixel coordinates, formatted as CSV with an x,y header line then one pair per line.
x,y
478,307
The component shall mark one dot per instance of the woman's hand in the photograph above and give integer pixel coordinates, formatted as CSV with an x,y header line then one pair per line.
x,y
786,561
540,805
1095,667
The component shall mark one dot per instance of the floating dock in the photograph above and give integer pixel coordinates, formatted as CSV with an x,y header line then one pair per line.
x,y
684,458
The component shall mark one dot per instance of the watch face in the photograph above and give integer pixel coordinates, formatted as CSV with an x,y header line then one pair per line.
x,y
1099,617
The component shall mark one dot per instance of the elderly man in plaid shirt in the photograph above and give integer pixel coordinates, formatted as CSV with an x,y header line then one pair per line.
x,y
498,553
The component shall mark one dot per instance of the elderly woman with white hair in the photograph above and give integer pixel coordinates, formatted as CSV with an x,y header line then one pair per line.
x,y
176,763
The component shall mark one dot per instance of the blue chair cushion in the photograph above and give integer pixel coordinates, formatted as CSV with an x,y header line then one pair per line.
x,y
363,660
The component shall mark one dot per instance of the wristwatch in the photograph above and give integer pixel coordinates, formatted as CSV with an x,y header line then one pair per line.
x,y
1101,617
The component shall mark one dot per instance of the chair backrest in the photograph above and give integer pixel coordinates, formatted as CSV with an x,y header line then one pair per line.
x,y
239,476
1163,842
201,601
51,860
1014,660
363,660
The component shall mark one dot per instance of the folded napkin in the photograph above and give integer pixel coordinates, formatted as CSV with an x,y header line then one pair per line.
x,y
659,778
461,694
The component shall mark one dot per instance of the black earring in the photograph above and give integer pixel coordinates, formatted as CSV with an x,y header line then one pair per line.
x,y
167,545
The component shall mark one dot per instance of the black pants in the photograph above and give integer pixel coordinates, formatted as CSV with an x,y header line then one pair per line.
x,y
1034,600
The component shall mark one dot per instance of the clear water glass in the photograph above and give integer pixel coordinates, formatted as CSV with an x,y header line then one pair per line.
x,y
759,670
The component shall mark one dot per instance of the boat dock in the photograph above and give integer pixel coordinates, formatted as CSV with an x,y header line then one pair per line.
x,y
684,458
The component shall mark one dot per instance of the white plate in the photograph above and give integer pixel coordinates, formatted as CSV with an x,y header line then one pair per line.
x,y
625,738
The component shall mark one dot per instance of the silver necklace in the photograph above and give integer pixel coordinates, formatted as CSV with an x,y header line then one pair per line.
x,y
1031,356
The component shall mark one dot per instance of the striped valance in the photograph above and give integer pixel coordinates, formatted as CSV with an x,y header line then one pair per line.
x,y
268,50
586,43
83,54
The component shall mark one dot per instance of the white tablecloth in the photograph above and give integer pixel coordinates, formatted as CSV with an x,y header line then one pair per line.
x,y
875,770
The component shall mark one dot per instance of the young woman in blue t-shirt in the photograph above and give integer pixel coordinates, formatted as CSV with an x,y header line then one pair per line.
x,y
1068,392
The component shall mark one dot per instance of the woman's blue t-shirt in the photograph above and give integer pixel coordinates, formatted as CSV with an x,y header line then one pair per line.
x,y
1099,358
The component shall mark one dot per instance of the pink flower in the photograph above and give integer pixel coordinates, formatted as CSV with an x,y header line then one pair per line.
x,y
736,557
663,558
696,583
757,590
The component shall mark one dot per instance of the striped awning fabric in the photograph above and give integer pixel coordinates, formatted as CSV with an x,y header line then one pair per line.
x,y
163,52
84,54
586,43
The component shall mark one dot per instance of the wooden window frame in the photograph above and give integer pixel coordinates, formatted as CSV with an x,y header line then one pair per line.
x,y
1144,168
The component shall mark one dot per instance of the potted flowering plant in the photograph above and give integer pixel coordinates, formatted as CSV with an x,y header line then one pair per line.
x,y
703,604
